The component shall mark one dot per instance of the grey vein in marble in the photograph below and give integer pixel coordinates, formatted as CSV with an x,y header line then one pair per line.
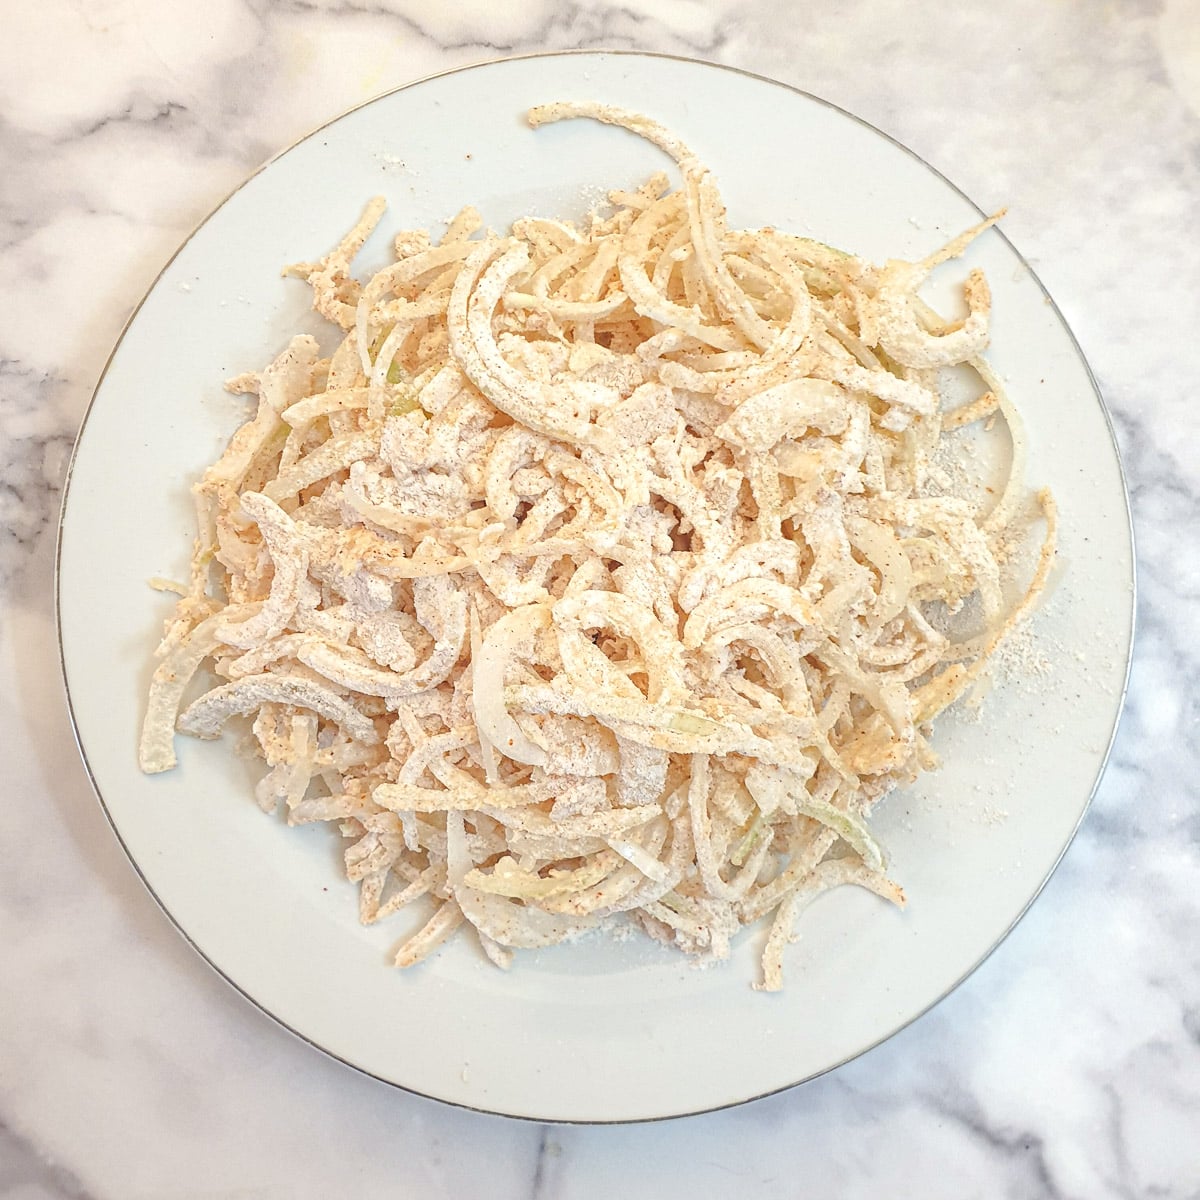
x,y
26,1175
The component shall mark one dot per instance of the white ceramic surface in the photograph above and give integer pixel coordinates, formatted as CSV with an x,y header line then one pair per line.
x,y
595,1031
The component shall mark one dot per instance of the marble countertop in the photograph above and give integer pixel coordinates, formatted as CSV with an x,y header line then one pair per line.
x,y
1068,1065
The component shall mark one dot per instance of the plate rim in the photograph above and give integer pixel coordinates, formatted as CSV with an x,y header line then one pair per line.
x,y
1129,529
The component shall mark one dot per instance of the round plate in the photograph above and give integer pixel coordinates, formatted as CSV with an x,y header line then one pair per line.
x,y
599,1030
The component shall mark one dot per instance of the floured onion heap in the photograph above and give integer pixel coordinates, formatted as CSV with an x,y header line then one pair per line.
x,y
592,574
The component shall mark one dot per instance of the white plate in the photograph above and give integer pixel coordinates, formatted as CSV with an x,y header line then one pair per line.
x,y
597,1031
